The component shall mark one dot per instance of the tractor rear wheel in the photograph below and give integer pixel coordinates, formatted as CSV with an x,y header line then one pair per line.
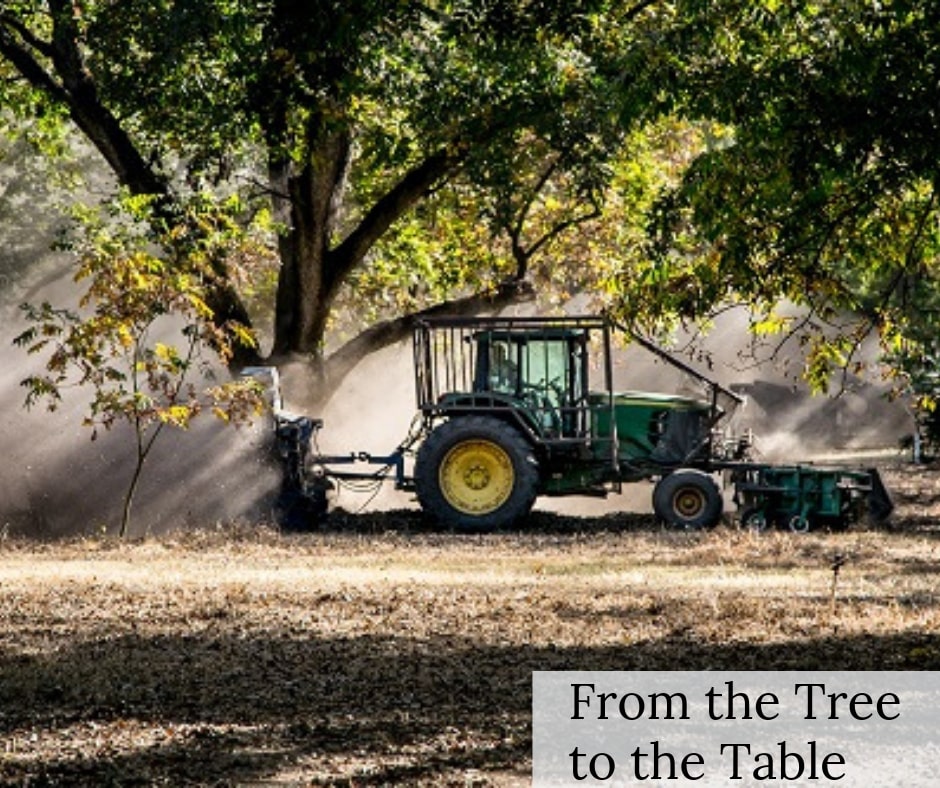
x,y
476,473
688,499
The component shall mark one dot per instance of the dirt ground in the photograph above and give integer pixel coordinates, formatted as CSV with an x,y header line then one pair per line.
x,y
382,652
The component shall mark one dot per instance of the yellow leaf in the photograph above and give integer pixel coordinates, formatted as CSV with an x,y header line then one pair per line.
x,y
201,307
178,415
770,324
125,337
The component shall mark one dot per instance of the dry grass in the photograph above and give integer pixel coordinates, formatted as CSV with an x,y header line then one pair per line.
x,y
380,652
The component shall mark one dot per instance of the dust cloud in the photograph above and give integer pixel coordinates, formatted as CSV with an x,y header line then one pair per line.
x,y
371,412
55,481
788,422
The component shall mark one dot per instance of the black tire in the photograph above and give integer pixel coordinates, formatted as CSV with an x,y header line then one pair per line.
x,y
298,512
476,474
800,524
688,499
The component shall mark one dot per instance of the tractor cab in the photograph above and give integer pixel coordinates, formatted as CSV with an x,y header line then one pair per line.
x,y
543,375
536,374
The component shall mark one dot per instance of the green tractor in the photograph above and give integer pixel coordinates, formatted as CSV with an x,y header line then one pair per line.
x,y
510,411
511,414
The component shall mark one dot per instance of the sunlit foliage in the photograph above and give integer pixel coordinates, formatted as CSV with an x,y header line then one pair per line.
x,y
117,342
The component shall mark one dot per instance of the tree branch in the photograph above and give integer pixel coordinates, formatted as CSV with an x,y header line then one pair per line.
x,y
31,40
559,228
527,204
79,93
389,332
639,8
26,64
390,207
519,252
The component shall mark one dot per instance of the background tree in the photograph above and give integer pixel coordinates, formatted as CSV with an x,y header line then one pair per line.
x,y
820,185
356,112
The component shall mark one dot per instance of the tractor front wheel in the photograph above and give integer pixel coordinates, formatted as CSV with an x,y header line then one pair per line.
x,y
476,473
688,499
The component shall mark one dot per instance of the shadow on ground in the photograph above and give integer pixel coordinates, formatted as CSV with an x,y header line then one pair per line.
x,y
236,710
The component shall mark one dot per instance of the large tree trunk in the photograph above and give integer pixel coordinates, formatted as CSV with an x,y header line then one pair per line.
x,y
307,202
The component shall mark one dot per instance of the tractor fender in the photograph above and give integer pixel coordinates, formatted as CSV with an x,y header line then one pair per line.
x,y
495,406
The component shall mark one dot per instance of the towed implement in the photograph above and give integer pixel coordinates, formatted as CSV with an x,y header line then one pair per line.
x,y
511,409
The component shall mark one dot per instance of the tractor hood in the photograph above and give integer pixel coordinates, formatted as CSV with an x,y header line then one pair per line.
x,y
657,400
667,429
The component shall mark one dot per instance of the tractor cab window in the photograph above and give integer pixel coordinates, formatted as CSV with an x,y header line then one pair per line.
x,y
554,380
545,370
542,372
503,366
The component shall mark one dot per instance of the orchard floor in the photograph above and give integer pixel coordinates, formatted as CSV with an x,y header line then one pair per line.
x,y
382,652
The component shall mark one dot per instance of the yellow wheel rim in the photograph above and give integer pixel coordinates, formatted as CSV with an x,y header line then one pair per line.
x,y
476,477
688,503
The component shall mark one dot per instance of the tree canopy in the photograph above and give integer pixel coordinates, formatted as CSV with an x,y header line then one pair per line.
x,y
823,186
674,156
342,117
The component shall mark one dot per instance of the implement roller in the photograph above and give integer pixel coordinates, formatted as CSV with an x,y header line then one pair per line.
x,y
804,497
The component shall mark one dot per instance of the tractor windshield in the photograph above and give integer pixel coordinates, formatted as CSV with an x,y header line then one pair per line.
x,y
519,364
547,368
543,371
